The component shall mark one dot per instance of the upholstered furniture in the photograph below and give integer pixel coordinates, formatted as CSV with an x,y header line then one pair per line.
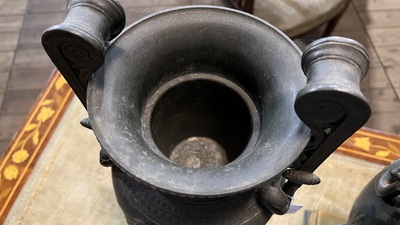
x,y
296,17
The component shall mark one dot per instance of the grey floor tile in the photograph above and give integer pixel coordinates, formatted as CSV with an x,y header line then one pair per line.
x,y
4,76
375,19
385,36
32,58
134,14
10,23
397,91
28,79
374,61
6,59
19,102
13,6
375,78
394,75
203,2
382,99
349,20
30,39
3,146
358,34
8,41
389,55
368,5
385,121
152,3
138,9
46,6
1,98
9,124
42,21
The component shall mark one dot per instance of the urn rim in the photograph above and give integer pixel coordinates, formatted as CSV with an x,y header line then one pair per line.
x,y
282,136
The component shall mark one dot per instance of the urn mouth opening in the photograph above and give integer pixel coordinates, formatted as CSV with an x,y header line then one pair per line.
x,y
200,121
253,61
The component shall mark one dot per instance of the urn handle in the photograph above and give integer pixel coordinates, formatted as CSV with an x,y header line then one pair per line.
x,y
387,185
77,46
331,104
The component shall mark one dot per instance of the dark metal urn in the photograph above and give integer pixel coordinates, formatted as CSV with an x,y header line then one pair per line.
x,y
207,115
379,201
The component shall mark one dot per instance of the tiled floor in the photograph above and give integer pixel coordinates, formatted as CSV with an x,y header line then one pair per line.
x,y
25,68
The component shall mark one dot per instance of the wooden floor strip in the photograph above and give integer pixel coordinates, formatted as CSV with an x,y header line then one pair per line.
x,y
26,147
372,145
